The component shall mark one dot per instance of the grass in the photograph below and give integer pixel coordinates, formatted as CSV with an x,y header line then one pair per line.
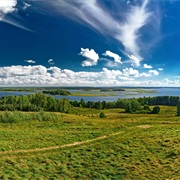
x,y
92,93
146,148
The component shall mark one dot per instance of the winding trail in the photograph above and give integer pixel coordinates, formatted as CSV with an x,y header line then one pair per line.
x,y
9,154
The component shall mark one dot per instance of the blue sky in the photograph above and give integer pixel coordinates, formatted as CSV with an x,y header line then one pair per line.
x,y
89,43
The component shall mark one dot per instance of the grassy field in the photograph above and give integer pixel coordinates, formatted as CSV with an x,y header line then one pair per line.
x,y
83,146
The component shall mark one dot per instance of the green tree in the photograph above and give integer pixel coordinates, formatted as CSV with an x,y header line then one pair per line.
x,y
133,106
128,108
102,115
82,102
178,108
64,105
98,105
156,110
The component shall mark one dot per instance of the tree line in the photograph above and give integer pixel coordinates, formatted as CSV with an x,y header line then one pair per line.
x,y
40,101
56,92
34,102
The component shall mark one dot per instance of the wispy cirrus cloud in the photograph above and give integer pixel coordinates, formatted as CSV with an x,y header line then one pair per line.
x,y
95,14
9,13
135,19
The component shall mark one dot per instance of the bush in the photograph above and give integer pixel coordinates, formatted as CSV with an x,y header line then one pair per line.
x,y
10,117
102,115
156,110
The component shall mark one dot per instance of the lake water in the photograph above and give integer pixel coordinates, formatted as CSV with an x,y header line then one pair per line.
x,y
149,92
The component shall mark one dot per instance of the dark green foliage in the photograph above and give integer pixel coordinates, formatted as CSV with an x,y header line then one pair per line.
x,y
57,92
178,109
90,104
98,105
102,115
64,105
82,103
156,110
146,108
34,102
121,103
133,106
159,100
110,105
128,108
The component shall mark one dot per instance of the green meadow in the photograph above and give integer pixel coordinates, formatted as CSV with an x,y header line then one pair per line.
x,y
81,145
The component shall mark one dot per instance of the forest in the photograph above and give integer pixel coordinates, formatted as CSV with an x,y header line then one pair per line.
x,y
42,102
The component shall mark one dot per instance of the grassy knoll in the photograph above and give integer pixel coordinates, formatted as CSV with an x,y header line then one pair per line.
x,y
131,146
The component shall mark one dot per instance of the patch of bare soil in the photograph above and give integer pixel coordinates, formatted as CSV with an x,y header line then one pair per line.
x,y
144,126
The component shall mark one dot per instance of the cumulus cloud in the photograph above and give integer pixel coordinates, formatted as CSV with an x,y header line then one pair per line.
x,y
95,14
38,75
51,61
7,6
30,61
145,74
147,66
116,57
135,60
156,73
160,69
131,72
91,57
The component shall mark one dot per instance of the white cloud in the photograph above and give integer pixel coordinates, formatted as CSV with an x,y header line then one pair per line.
x,y
126,29
136,18
145,74
177,77
172,82
30,61
156,73
130,72
7,6
51,61
160,69
39,75
26,5
116,57
135,60
147,66
91,57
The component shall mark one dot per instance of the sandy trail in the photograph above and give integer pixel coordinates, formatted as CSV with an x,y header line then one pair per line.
x,y
6,154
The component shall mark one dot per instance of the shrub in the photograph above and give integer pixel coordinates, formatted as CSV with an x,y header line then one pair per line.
x,y
156,110
102,115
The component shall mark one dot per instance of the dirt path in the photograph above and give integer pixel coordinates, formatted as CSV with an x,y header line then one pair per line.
x,y
7,154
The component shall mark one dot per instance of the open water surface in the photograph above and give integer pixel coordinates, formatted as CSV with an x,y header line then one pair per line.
x,y
117,94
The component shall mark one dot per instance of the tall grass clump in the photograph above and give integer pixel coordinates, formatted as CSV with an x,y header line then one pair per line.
x,y
43,116
16,116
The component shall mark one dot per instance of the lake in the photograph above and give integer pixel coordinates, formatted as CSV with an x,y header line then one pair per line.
x,y
129,93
